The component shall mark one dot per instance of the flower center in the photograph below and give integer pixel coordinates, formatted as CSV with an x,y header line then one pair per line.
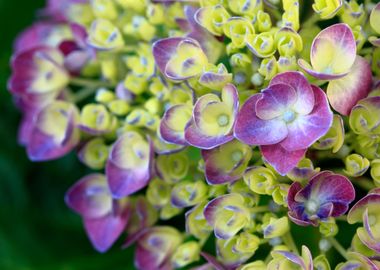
x,y
289,116
371,220
237,156
311,207
223,120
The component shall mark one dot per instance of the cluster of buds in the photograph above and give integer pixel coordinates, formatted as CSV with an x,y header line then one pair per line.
x,y
217,112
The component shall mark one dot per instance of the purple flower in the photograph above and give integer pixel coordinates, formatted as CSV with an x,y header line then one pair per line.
x,y
38,76
285,119
325,195
227,162
155,247
129,165
53,131
367,211
213,119
104,218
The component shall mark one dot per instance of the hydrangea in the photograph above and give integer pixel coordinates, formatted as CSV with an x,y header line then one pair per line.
x,y
247,119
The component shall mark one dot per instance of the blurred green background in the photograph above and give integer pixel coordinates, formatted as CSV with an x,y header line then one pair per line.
x,y
37,230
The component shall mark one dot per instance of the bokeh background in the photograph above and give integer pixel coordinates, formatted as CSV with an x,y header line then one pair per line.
x,y
37,230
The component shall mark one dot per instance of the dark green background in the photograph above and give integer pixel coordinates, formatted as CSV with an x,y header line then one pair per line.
x,y
37,230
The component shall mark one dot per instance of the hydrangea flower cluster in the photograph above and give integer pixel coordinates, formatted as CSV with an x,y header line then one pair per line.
x,y
248,120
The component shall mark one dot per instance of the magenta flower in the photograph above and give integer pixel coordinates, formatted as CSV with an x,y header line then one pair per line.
x,y
325,195
155,247
77,52
213,119
104,218
367,211
38,76
129,165
53,131
285,119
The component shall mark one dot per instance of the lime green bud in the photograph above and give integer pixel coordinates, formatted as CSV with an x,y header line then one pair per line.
x,y
217,190
360,36
172,168
368,146
328,227
356,165
105,35
158,193
94,153
290,17
358,246
288,42
155,14
188,193
142,213
321,263
262,45
206,3
119,107
260,180
213,18
159,89
180,95
375,171
109,68
228,253
137,85
237,29
327,9
169,211
247,243
304,171
263,21
186,253
285,63
245,7
240,60
268,68
257,80
104,95
138,117
334,138
80,13
140,28
196,224
364,117
280,193
136,5
96,119
251,199
104,9
275,227
153,105
353,14
256,265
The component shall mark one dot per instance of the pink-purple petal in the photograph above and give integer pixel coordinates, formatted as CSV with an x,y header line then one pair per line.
x,y
104,231
274,155
307,129
344,93
275,100
164,49
254,131
305,96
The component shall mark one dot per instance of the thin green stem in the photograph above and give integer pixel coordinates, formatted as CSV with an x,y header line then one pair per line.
x,y
83,94
90,83
260,209
289,241
363,183
342,251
